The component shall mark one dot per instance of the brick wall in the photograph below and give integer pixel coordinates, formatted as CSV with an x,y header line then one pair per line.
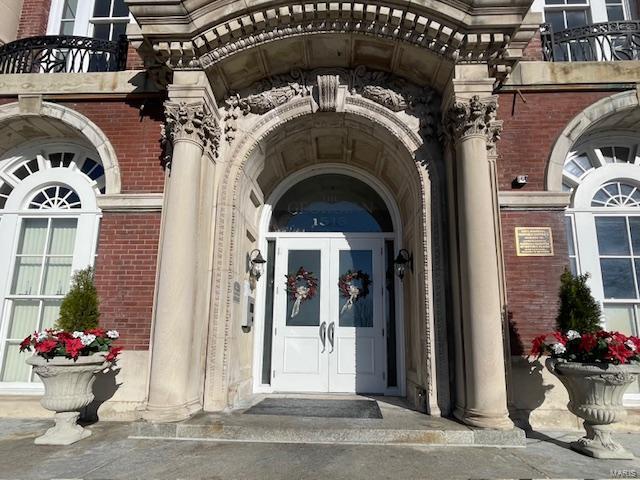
x,y
532,282
533,50
531,129
125,274
34,18
134,134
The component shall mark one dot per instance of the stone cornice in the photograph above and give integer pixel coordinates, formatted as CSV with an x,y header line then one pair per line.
x,y
410,24
473,117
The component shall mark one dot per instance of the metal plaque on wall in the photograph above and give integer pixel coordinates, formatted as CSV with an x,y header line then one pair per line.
x,y
534,242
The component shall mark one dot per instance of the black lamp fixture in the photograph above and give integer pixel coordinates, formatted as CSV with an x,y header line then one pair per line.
x,y
403,259
257,262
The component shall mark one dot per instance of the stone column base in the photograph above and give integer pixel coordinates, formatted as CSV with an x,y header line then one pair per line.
x,y
484,420
172,413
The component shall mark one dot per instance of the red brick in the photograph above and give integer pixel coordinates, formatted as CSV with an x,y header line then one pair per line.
x,y
533,283
125,277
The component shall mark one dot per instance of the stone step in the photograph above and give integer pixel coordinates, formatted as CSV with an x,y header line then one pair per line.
x,y
287,429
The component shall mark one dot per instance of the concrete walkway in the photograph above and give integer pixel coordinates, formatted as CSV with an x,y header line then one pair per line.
x,y
110,453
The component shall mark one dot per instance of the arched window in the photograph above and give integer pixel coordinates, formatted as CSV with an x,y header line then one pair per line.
x,y
331,203
48,229
603,227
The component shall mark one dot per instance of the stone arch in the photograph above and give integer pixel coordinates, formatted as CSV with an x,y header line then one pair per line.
x,y
583,124
240,192
52,121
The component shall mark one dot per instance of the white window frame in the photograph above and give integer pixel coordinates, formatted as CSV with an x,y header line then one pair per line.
x,y
83,26
596,8
583,214
11,219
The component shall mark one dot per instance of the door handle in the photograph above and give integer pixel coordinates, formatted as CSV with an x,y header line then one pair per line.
x,y
332,332
323,335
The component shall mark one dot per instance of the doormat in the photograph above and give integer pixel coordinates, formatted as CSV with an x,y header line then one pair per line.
x,y
310,407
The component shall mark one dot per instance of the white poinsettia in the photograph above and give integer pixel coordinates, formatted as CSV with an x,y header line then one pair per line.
x,y
572,335
113,334
77,334
87,339
558,348
631,345
40,336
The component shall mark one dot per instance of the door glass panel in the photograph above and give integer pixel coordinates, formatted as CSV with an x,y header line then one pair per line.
x,y
308,310
612,235
617,278
356,297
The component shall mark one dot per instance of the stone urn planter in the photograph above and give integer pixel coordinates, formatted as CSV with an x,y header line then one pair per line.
x,y
68,388
595,395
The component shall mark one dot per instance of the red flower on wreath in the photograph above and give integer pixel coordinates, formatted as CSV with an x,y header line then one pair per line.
x,y
347,279
302,278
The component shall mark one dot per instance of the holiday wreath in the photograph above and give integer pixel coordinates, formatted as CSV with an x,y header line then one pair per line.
x,y
302,286
350,291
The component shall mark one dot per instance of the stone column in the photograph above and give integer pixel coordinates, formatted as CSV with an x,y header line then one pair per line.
x,y
190,128
473,130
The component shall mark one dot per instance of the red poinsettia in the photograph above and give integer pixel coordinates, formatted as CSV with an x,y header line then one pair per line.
x,y
73,346
51,343
618,352
113,353
46,345
598,347
587,342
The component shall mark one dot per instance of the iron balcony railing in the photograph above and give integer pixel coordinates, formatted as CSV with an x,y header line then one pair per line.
x,y
63,54
598,42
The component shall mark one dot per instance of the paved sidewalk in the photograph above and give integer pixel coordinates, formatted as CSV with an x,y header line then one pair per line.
x,y
109,453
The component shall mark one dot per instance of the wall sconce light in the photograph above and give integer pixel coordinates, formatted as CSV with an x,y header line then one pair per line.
x,y
257,261
401,261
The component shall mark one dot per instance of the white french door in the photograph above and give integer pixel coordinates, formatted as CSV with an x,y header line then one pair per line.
x,y
332,342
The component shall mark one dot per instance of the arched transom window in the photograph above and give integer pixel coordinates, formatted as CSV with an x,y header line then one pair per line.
x,y
48,229
603,227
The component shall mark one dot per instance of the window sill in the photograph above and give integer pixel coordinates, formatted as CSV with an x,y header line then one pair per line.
x,y
21,389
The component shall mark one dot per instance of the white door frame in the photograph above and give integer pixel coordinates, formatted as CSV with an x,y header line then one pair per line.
x,y
265,235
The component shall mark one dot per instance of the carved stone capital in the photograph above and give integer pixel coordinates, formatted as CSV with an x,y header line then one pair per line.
x,y
471,117
190,122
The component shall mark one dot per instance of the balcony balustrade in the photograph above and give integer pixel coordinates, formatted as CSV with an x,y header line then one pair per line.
x,y
63,54
598,42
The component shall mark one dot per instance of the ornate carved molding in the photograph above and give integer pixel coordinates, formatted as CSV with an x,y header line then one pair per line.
x,y
328,92
387,90
475,116
189,122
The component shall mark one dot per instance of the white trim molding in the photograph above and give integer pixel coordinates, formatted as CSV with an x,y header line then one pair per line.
x,y
131,202
89,132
